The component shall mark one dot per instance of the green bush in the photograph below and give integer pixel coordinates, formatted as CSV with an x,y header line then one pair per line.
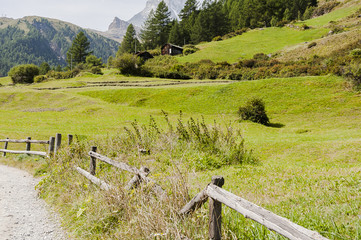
x,y
93,61
189,49
96,70
129,64
24,73
217,38
163,66
254,110
40,78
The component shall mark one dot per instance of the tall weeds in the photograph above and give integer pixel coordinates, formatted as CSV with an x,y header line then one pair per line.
x,y
170,153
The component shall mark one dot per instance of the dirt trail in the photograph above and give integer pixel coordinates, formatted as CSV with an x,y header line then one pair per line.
x,y
22,214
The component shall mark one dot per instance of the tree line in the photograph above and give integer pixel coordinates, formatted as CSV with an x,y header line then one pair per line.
x,y
211,19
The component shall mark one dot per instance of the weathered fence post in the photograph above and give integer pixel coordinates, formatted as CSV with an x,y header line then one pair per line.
x,y
6,146
57,143
51,145
215,212
93,162
70,139
28,145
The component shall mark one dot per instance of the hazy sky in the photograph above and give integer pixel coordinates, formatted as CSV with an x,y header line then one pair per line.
x,y
95,14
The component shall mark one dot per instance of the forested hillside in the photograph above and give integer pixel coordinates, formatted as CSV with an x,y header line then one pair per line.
x,y
36,40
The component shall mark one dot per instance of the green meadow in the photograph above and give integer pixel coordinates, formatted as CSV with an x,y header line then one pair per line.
x,y
309,157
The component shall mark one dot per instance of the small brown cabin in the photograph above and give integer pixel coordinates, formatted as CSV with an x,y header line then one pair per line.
x,y
144,55
170,49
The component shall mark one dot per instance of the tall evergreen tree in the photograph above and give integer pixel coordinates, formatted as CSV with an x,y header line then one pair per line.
x,y
156,28
79,49
176,34
130,41
190,7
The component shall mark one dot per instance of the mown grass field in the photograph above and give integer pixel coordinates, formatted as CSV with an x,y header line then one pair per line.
x,y
309,158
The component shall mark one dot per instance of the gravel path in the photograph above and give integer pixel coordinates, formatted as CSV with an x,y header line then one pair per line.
x,y
22,214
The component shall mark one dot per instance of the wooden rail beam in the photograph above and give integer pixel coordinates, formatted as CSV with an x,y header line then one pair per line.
x,y
103,185
24,152
24,141
270,220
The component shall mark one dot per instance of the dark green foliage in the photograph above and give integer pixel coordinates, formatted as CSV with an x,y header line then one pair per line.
x,y
93,61
254,110
128,64
24,73
176,35
79,50
44,68
130,43
156,29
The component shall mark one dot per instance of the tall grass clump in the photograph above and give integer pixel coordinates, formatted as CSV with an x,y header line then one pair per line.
x,y
171,151
206,147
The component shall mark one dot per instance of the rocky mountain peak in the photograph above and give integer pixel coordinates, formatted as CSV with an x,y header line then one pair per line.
x,y
118,23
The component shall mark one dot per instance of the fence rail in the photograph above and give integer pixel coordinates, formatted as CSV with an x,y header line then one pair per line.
x,y
54,145
24,141
140,175
218,196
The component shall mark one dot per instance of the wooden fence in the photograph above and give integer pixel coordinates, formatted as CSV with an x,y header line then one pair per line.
x,y
216,195
54,145
140,175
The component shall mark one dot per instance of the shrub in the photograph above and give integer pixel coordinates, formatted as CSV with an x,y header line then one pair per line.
x,y
354,75
96,70
93,61
24,73
189,49
39,79
160,66
128,64
254,110
217,38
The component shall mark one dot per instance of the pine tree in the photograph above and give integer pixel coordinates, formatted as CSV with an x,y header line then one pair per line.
x,y
156,28
130,41
176,34
79,50
190,7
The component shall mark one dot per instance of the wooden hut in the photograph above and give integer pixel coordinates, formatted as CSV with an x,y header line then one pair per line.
x,y
170,49
144,55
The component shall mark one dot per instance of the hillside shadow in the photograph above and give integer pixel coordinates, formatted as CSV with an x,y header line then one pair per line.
x,y
276,125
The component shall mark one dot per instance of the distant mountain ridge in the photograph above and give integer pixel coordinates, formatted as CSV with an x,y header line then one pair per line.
x,y
38,39
118,27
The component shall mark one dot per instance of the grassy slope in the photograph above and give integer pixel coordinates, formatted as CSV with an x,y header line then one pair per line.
x,y
309,167
269,40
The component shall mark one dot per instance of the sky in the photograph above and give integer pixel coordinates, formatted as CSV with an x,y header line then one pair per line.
x,y
94,14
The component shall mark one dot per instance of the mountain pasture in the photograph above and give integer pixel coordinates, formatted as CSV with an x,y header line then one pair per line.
x,y
309,156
